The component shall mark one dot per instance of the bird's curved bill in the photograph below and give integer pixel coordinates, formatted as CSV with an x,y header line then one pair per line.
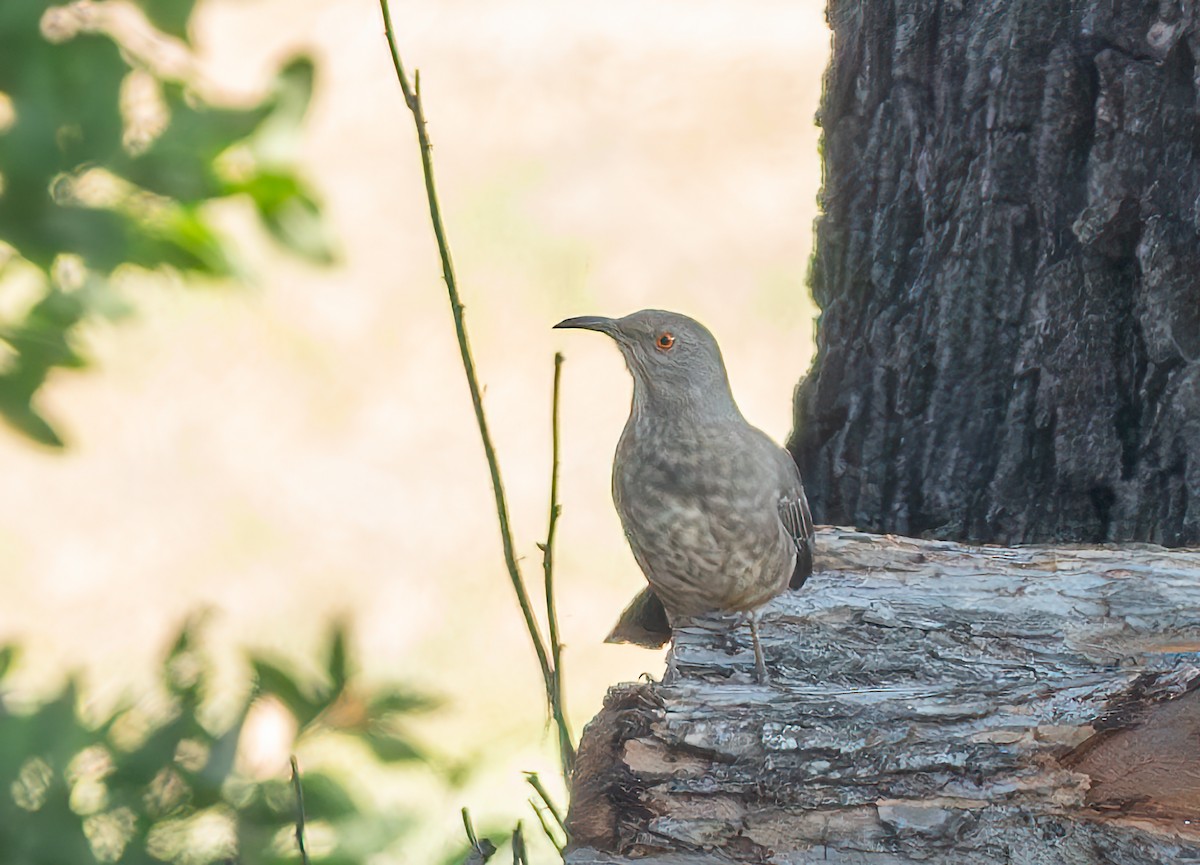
x,y
589,322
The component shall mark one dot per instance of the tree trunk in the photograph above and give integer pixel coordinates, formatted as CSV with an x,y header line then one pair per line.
x,y
1008,268
931,703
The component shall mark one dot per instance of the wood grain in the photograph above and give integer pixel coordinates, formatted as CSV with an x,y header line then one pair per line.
x,y
931,702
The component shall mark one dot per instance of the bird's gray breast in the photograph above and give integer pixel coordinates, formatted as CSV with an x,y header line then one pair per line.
x,y
700,510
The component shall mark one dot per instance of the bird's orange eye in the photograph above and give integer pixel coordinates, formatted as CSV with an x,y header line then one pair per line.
x,y
664,341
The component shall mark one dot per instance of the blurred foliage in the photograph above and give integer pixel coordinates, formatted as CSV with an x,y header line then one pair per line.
x,y
158,781
109,158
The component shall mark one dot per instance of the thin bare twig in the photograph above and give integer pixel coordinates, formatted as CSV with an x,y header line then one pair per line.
x,y
299,810
469,827
547,829
535,782
520,857
566,747
412,98
481,851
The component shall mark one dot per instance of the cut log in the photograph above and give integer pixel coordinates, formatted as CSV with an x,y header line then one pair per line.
x,y
931,702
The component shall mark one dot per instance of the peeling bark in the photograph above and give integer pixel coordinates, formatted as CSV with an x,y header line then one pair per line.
x,y
930,702
1008,268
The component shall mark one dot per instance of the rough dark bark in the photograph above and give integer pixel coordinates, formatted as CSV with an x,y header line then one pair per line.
x,y
1008,267
931,703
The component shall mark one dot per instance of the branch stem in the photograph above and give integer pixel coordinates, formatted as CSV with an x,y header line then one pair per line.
x,y
412,98
549,659
299,791
566,748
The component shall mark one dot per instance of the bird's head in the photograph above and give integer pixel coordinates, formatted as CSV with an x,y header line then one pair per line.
x,y
674,360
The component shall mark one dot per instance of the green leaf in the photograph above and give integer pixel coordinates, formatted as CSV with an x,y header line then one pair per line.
x,y
276,141
185,668
326,798
180,163
274,680
296,223
40,343
183,239
338,665
399,701
272,804
140,765
40,339
185,640
289,212
169,16
143,207
392,746
56,732
223,753
8,654
24,418
65,98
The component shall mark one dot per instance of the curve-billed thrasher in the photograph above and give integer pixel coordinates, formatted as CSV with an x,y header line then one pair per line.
x,y
714,510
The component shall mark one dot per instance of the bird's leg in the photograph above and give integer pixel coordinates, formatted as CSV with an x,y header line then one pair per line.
x,y
760,665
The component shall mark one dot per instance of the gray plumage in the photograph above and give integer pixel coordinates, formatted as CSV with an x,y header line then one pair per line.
x,y
713,509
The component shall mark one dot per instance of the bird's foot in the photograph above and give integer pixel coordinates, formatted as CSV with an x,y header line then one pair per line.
x,y
761,676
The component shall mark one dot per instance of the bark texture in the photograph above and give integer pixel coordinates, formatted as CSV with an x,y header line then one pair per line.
x,y
1008,268
931,703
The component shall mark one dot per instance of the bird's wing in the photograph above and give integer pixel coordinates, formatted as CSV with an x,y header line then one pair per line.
x,y
797,520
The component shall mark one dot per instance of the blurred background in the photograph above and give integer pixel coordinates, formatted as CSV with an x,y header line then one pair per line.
x,y
298,447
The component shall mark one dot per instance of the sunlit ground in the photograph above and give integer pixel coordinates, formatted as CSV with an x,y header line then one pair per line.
x,y
305,447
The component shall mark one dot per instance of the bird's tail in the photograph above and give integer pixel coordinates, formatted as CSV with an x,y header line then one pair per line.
x,y
804,564
644,622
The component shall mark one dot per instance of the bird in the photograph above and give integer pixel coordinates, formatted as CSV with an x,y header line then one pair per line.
x,y
713,509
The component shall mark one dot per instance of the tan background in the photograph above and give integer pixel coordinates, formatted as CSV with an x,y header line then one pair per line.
x,y
305,447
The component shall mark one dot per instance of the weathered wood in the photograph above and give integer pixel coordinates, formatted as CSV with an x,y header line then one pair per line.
x,y
1008,268
932,703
